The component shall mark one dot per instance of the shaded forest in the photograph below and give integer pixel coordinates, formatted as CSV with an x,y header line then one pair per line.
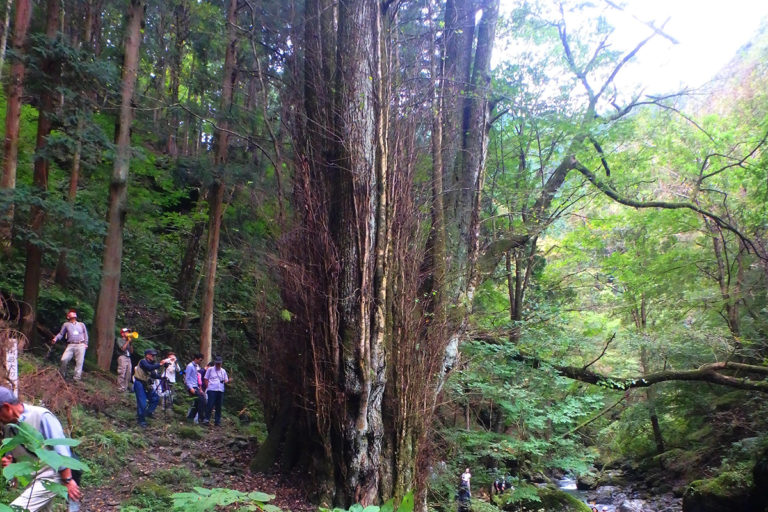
x,y
424,235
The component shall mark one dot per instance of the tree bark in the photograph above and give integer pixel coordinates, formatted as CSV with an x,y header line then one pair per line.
x,y
216,190
106,307
33,270
180,34
61,273
13,116
215,210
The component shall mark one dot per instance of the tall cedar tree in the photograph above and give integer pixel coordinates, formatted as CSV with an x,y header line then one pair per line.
x,y
216,189
106,307
33,271
13,115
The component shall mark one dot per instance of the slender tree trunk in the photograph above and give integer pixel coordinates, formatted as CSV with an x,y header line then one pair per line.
x,y
61,274
33,270
106,308
181,30
13,117
216,192
4,37
640,316
215,209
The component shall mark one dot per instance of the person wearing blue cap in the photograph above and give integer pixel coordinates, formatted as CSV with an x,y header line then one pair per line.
x,y
37,496
143,375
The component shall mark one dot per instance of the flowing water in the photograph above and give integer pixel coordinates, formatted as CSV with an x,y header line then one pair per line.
x,y
568,484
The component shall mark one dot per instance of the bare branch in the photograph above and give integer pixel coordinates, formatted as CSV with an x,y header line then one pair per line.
x,y
610,192
649,24
621,64
569,57
739,162
605,348
599,150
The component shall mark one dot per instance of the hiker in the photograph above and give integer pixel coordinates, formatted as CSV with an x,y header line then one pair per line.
x,y
124,346
77,343
174,368
215,379
465,478
194,385
146,397
464,496
36,496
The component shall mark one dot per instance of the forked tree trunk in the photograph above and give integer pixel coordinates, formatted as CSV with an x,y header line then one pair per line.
x,y
33,270
370,363
216,191
13,117
106,307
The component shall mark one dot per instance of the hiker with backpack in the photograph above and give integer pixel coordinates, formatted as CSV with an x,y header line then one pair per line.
x,y
464,495
37,496
143,376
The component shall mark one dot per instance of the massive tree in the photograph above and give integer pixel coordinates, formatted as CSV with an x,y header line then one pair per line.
x,y
353,269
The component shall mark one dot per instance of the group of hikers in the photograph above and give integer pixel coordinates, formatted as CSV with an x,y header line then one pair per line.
x,y
150,379
147,380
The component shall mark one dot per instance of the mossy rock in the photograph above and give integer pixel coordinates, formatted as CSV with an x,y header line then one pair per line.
x,y
149,495
728,492
189,432
555,500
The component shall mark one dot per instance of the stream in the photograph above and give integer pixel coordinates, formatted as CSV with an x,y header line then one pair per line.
x,y
625,498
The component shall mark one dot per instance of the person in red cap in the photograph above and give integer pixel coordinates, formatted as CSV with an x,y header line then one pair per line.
x,y
76,336
124,350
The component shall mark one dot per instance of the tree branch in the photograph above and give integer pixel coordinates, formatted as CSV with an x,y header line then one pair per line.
x,y
605,348
610,192
712,373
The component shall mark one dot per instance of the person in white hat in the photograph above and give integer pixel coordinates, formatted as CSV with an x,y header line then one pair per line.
x,y
76,336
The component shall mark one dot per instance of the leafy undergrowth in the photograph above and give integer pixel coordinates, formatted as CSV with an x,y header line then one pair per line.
x,y
135,469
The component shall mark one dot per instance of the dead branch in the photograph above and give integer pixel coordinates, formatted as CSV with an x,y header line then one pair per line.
x,y
605,348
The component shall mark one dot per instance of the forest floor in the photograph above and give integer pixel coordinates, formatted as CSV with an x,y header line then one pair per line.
x,y
138,469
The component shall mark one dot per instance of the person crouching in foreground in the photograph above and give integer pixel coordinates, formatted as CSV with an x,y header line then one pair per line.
x,y
36,496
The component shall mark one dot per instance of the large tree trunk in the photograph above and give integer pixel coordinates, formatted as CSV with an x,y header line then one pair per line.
x,y
13,116
216,191
34,262
106,307
369,358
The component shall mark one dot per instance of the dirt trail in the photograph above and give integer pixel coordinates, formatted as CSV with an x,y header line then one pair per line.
x,y
174,455
220,458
